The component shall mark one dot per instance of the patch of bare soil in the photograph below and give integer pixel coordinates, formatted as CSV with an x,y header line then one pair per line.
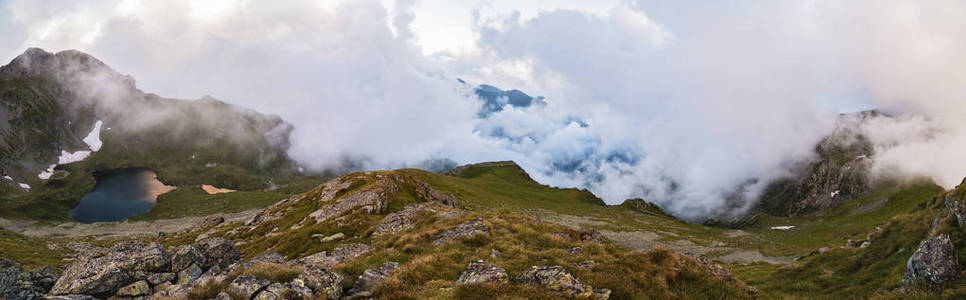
x,y
210,189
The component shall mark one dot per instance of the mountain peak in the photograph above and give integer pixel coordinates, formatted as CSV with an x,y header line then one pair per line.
x,y
64,64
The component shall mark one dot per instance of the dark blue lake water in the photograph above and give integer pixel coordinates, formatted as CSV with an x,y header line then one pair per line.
x,y
118,195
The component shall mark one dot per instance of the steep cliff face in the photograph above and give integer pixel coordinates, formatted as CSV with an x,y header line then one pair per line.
x,y
67,111
839,171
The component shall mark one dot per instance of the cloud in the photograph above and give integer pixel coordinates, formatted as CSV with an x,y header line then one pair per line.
x,y
684,105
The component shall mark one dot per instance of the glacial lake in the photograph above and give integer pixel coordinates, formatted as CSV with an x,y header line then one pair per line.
x,y
119,194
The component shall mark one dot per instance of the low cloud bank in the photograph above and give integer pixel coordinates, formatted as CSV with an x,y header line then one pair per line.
x,y
684,106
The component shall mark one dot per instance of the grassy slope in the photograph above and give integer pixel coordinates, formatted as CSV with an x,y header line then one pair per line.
x,y
428,271
876,271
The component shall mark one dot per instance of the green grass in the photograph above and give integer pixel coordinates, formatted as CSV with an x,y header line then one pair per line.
x,y
189,201
873,272
852,219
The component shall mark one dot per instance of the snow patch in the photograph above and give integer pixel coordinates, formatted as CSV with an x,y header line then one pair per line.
x,y
24,186
93,139
835,193
786,227
47,173
8,178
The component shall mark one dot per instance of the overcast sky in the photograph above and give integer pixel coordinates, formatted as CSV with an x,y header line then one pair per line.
x,y
677,102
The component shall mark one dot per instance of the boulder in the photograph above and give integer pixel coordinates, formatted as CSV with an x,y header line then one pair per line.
x,y
321,280
123,264
211,221
481,272
592,235
246,286
273,291
339,254
140,288
468,229
933,263
17,283
337,236
561,281
267,257
957,210
183,257
69,297
223,296
370,280
400,221
159,278
219,252
189,275
373,199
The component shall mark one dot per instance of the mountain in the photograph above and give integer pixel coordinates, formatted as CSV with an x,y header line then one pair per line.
x,y
840,170
67,115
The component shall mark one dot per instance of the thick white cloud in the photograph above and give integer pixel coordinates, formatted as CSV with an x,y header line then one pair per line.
x,y
681,104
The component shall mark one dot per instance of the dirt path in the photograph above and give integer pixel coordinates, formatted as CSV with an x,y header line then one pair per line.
x,y
113,229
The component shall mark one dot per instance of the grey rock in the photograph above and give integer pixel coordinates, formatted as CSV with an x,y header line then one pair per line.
x,y
271,257
247,286
402,220
69,297
370,280
211,221
495,253
189,275
140,288
118,266
183,257
159,278
574,250
338,255
16,283
219,252
321,280
337,236
824,250
481,272
592,235
561,281
933,263
957,210
373,200
468,229
223,296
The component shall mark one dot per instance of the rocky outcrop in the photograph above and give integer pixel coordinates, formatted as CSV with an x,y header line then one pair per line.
x,y
561,281
468,229
323,281
839,171
400,221
219,252
592,235
17,283
370,280
373,199
956,209
481,272
247,286
137,289
338,255
106,272
933,263
136,269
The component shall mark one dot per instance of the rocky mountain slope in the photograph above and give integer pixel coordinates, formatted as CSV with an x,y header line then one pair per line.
x,y
839,171
64,116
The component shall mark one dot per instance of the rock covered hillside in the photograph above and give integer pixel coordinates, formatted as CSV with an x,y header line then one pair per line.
x,y
65,115
384,234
